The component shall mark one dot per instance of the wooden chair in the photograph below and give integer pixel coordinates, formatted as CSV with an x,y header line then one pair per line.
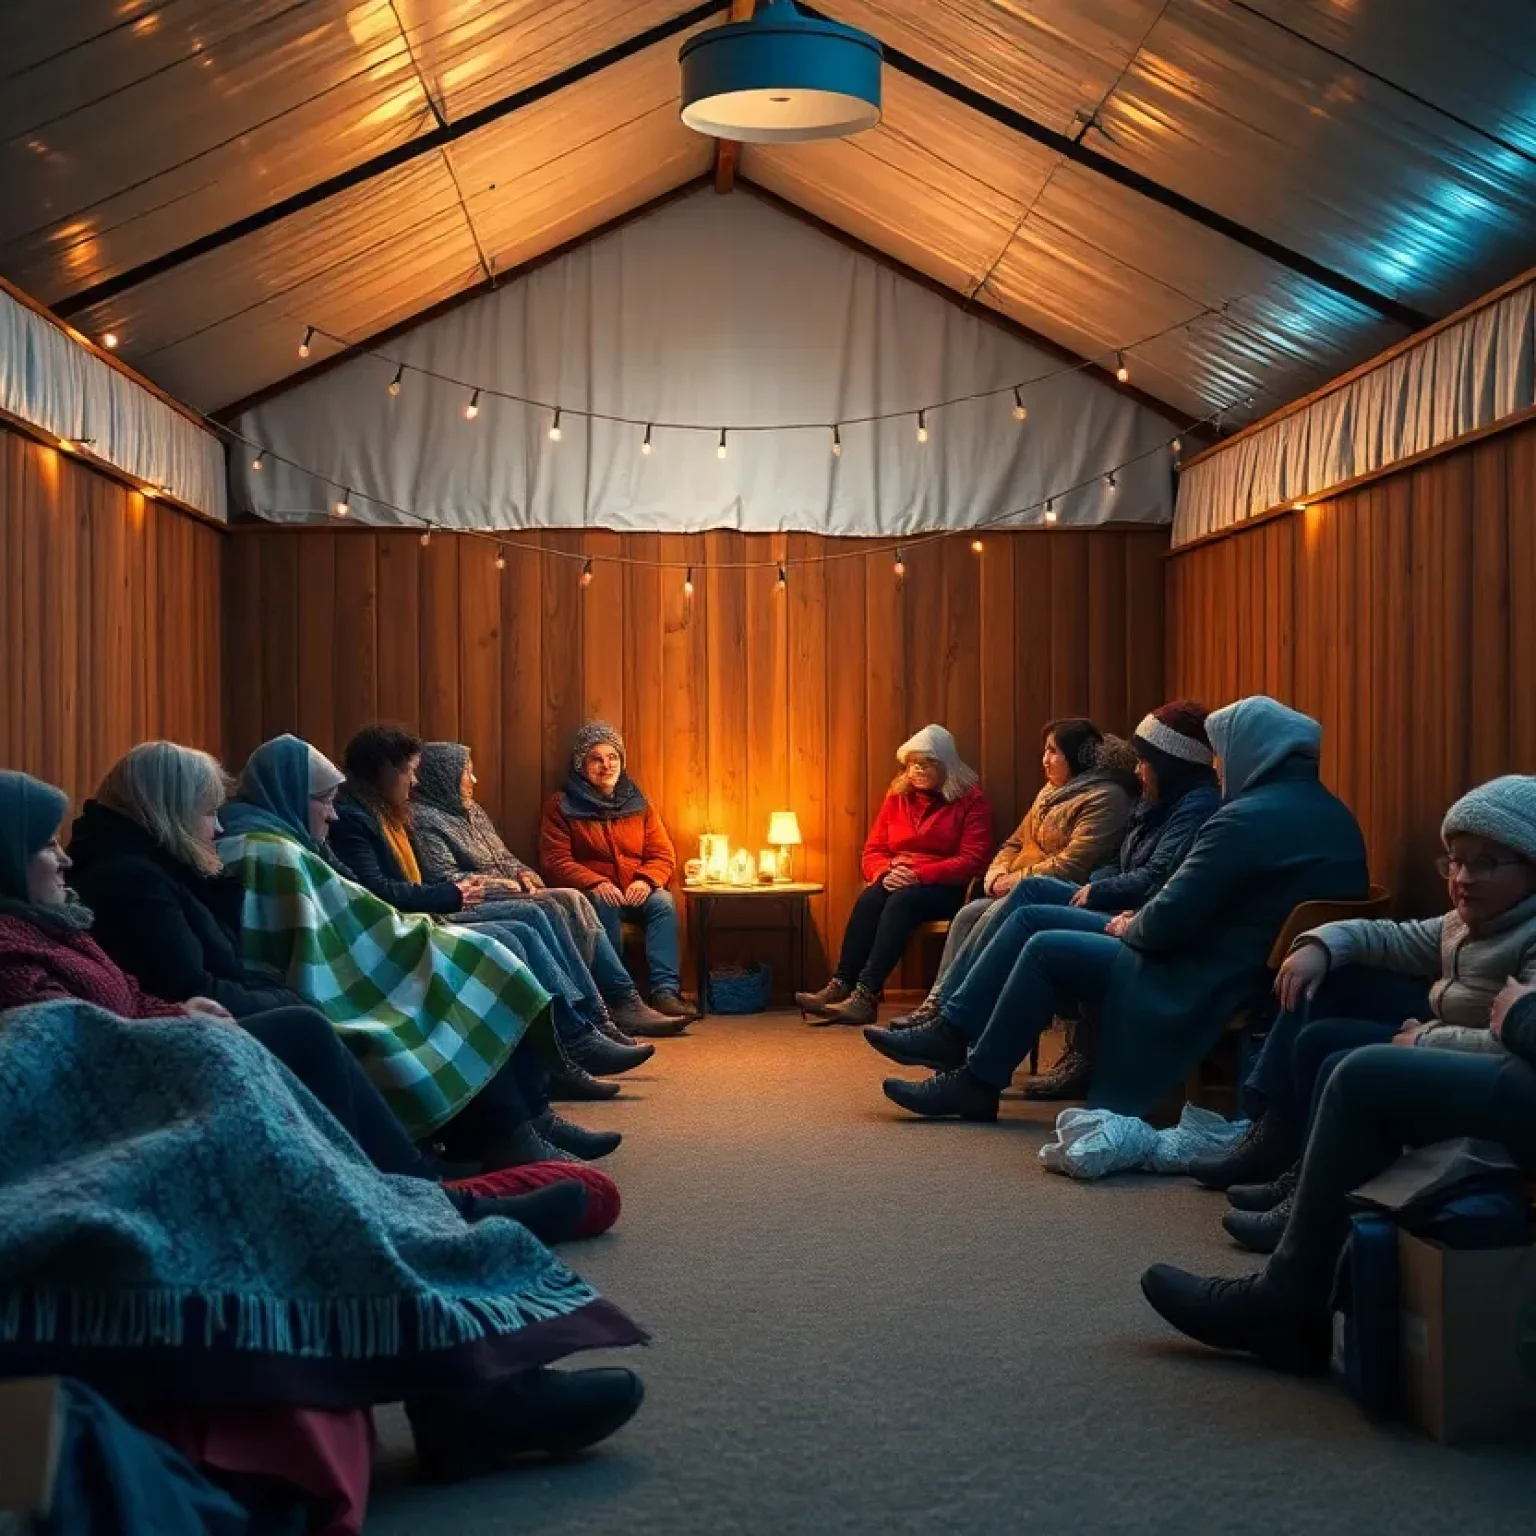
x,y
1245,1025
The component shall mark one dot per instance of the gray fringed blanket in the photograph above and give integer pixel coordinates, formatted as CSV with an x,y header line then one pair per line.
x,y
180,1218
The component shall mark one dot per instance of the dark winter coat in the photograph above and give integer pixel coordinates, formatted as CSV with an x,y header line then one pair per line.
x,y
1199,950
360,844
452,835
169,925
1157,840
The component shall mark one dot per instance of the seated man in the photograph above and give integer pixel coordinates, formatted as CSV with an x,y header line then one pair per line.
x,y
1373,973
1179,795
1162,982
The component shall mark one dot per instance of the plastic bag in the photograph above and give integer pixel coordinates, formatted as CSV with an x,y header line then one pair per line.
x,y
1090,1143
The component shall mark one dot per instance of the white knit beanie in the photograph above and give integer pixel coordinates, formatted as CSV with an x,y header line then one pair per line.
x,y
935,742
1502,810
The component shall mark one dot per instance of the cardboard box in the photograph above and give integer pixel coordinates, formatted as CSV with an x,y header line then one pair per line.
x,y
31,1429
1468,1361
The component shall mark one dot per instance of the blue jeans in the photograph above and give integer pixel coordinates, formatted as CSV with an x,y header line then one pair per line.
x,y
1356,1005
1056,972
658,914
1035,890
572,1012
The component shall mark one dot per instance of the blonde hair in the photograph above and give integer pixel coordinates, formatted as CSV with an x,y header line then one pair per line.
x,y
167,790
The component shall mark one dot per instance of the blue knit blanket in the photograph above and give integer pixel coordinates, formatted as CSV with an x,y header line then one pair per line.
x,y
173,1201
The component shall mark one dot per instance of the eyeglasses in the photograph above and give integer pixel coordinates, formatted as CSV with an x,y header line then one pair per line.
x,y
1482,868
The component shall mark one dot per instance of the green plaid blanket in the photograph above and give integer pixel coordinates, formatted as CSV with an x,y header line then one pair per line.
x,y
432,1010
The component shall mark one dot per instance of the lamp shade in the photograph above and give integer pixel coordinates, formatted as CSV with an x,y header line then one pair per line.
x,y
780,77
783,829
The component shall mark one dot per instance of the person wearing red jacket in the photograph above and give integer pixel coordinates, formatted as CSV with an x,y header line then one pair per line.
x,y
931,838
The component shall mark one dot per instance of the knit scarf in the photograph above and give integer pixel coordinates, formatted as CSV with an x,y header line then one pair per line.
x,y
581,802
72,917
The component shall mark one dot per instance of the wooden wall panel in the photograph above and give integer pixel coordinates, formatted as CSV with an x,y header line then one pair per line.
x,y
734,702
1394,614
110,618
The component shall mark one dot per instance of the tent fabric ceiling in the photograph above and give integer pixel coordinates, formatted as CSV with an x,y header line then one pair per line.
x,y
1377,138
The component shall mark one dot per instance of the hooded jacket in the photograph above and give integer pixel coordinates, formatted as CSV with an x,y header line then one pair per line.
x,y
452,835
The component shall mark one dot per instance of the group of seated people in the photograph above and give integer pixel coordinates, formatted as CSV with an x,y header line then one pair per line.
x,y
1140,898
428,995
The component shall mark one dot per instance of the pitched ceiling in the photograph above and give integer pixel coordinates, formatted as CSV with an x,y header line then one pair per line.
x,y
207,179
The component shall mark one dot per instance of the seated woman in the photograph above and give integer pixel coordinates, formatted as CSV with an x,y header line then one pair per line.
x,y
157,934
371,840
929,841
1162,982
602,837
1472,1078
1349,984
433,1012
454,837
1179,794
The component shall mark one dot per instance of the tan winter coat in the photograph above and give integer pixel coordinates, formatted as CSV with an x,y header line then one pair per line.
x,y
1068,832
1471,969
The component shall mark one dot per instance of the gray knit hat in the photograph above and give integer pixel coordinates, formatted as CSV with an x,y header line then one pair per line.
x,y
593,734
1502,810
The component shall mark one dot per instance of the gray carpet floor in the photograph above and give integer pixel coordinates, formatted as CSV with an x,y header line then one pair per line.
x,y
866,1323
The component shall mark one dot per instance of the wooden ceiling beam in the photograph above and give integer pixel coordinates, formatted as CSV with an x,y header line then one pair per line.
x,y
728,151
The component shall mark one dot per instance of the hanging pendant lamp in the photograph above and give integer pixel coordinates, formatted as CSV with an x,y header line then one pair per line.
x,y
779,78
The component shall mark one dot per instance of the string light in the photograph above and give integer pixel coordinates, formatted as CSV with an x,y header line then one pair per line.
x,y
394,383
645,447
1050,510
922,426
837,442
783,582
554,427
109,341
900,565
1121,371
1113,483
1020,410
473,408
1175,447
586,574
344,503
977,546
720,448
501,558
426,538
259,460
309,336
688,583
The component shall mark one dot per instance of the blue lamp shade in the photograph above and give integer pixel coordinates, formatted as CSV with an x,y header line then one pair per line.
x,y
779,78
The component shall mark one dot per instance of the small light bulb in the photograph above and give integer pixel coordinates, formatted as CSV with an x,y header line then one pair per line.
x,y
394,383
1175,446
1298,506
688,583
645,447
922,426
426,538
1121,371
783,581
720,447
1020,410
343,504
473,408
837,443
259,460
899,567
309,336
586,574
109,341
977,546
1050,511
554,427
501,560
1113,483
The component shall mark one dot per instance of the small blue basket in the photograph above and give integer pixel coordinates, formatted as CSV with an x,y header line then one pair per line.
x,y
739,991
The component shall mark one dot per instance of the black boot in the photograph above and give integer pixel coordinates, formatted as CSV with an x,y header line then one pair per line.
x,y
552,1213
956,1094
925,1013
1258,1231
1264,1197
1264,1153
1244,1315
569,1137
937,1044
519,1147
535,1413
602,1058
572,1082
1068,1079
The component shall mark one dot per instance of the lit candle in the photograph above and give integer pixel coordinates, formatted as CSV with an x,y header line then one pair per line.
x,y
767,866
742,871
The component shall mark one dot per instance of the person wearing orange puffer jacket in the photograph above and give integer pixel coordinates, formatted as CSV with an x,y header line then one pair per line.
x,y
601,836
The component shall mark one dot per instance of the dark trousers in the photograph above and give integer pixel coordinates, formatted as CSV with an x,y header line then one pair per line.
x,y
303,1040
1378,1100
1356,1005
881,923
519,1092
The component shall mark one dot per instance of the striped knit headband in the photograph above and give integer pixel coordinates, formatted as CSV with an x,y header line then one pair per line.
x,y
1174,743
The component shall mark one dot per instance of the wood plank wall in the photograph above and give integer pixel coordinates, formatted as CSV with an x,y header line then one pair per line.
x,y
110,618
1398,614
733,703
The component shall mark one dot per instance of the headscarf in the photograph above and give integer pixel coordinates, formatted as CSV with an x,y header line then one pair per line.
x,y
1255,735
279,779
580,799
31,813
440,776
935,742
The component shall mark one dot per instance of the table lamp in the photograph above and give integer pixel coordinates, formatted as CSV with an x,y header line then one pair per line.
x,y
784,834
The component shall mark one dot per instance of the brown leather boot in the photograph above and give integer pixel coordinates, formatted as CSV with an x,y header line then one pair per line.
x,y
817,1003
861,1008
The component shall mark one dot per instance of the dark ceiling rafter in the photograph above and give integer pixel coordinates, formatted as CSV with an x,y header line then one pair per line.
x,y
1198,213
367,170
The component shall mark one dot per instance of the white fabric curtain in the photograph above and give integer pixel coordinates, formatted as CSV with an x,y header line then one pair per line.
x,y
1469,375
49,380
718,311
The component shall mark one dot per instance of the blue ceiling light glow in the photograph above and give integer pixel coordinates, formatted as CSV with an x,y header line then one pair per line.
x,y
780,78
